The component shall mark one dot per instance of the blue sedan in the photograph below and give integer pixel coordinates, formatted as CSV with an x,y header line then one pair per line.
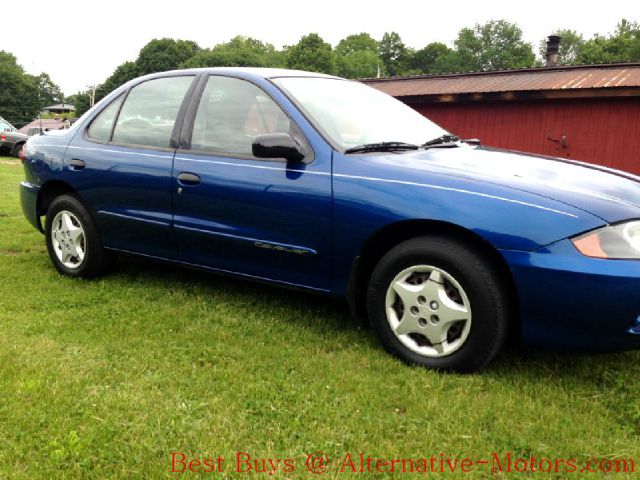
x,y
446,247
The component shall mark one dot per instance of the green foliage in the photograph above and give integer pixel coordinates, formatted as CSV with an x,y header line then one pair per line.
x,y
238,52
621,46
496,45
394,54
81,101
313,54
360,64
357,43
48,92
125,72
357,57
492,46
19,102
158,55
434,58
164,54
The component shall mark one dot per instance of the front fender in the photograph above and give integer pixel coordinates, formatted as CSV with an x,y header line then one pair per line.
x,y
370,195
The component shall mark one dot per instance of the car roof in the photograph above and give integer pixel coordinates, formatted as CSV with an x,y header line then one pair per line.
x,y
246,71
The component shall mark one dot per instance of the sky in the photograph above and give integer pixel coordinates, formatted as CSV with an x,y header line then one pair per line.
x,y
81,42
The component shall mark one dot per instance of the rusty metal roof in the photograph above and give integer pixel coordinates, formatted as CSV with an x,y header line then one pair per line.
x,y
565,78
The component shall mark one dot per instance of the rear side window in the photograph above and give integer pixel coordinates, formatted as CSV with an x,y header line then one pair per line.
x,y
100,128
231,113
149,112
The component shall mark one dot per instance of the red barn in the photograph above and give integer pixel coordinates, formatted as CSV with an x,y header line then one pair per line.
x,y
585,112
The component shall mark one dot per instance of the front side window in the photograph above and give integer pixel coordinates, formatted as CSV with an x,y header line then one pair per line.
x,y
231,113
149,112
101,126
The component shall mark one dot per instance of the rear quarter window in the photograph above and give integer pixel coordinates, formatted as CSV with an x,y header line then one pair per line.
x,y
101,126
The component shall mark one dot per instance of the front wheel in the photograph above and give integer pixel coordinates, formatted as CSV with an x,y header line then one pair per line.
x,y
73,242
436,302
15,152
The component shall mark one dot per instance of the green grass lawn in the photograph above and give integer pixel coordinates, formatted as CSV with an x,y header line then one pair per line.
x,y
105,378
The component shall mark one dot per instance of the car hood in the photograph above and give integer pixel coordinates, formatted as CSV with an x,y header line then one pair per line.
x,y
609,194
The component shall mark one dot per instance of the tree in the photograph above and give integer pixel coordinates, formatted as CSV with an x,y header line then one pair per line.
x,y
361,64
436,57
313,54
238,52
394,53
622,46
81,101
48,92
357,57
571,43
357,43
164,54
496,45
125,72
19,102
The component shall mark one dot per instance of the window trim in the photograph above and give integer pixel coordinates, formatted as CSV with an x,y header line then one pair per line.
x,y
184,145
125,95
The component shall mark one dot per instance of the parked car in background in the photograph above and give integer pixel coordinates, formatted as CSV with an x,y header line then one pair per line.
x,y
40,125
34,131
310,181
11,140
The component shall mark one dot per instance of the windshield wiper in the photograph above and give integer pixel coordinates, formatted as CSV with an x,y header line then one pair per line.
x,y
382,147
446,140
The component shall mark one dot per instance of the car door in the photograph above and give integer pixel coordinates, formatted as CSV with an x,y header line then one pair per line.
x,y
265,218
121,165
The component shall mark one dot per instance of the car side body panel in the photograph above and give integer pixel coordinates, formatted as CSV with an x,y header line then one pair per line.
x,y
305,224
128,190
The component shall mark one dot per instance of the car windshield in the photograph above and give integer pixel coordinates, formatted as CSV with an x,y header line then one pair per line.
x,y
353,114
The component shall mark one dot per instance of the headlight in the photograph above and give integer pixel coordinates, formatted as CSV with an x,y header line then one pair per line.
x,y
620,241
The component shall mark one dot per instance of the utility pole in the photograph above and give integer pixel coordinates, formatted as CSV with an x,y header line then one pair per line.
x,y
92,95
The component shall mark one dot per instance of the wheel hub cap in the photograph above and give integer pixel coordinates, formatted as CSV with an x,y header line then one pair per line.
x,y
68,239
428,311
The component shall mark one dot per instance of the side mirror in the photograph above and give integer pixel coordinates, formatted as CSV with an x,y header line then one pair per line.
x,y
277,145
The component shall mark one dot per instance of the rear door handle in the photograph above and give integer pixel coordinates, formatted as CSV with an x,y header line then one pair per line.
x,y
186,178
77,164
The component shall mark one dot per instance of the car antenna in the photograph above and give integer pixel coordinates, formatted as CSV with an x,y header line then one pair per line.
x,y
40,114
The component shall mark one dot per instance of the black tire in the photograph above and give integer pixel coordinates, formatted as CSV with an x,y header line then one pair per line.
x,y
484,290
16,150
96,259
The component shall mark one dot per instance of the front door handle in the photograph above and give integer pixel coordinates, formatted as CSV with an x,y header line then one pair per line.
x,y
186,178
77,164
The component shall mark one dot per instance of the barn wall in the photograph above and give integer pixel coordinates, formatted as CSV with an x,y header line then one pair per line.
x,y
604,131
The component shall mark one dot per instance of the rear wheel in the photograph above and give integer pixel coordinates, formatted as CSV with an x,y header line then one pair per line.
x,y
73,242
436,302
